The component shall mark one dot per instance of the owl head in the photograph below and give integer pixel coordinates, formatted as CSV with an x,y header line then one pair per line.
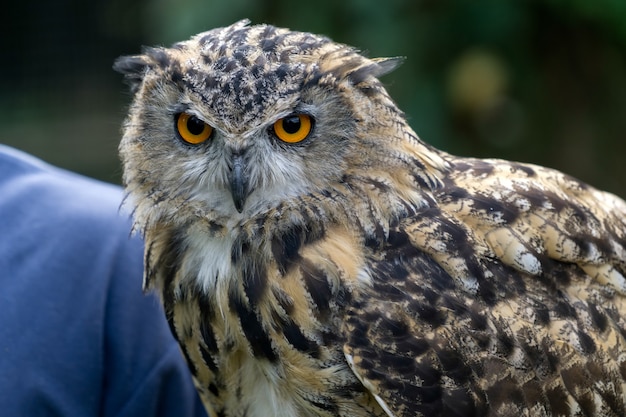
x,y
240,119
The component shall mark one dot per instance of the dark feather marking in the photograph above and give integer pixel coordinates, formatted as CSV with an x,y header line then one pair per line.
x,y
358,336
168,265
416,163
398,272
207,60
269,44
542,314
168,302
378,185
329,338
506,344
525,169
506,391
294,335
615,402
343,297
206,330
428,313
411,346
159,56
453,365
533,392
429,391
481,167
317,286
176,75
148,268
557,398
190,364
348,391
563,308
376,238
213,389
458,402
462,165
402,364
598,318
207,357
422,180
539,356
170,258
482,339
254,272
587,404
285,247
553,360
560,274
491,206
454,193
254,280
457,306
398,239
252,328
327,404
388,290
283,71
478,319
574,377
440,280
487,288
615,316
284,300
587,344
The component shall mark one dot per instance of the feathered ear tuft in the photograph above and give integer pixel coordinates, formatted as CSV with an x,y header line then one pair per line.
x,y
376,68
386,65
133,68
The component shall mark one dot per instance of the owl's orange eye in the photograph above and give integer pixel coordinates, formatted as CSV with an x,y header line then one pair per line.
x,y
191,129
294,128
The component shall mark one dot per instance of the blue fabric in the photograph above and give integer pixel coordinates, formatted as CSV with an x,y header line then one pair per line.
x,y
77,335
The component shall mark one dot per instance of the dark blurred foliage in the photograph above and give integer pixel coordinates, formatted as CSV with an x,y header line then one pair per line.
x,y
540,81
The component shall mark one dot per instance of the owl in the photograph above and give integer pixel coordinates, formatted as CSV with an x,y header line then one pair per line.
x,y
315,257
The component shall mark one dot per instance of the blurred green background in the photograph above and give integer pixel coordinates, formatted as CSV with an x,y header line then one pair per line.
x,y
528,80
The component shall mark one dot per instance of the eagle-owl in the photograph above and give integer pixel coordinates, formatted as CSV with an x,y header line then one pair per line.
x,y
316,258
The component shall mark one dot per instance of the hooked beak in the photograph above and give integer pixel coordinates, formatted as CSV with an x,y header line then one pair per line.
x,y
238,182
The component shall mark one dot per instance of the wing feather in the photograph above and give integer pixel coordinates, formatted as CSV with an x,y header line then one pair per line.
x,y
505,298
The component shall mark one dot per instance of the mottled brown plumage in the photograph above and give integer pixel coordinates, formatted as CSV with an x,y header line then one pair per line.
x,y
360,272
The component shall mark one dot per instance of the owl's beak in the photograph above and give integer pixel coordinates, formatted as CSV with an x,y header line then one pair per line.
x,y
238,183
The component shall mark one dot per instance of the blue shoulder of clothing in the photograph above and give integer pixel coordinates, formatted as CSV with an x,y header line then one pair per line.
x,y
77,335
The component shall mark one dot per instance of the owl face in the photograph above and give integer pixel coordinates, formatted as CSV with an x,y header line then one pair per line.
x,y
238,119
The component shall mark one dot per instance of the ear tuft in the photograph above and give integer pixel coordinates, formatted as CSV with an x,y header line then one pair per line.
x,y
386,65
133,68
361,68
